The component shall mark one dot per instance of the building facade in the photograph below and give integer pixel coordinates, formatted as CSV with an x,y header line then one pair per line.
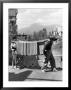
x,y
12,22
12,32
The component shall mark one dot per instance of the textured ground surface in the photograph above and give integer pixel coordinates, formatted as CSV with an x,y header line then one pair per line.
x,y
33,75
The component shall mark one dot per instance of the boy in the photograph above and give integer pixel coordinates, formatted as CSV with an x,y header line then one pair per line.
x,y
48,53
14,53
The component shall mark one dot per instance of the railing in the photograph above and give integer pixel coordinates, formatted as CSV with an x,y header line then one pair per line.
x,y
31,47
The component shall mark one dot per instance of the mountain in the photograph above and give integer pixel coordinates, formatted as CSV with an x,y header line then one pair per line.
x,y
37,27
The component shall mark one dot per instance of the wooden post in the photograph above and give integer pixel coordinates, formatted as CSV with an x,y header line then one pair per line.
x,y
37,51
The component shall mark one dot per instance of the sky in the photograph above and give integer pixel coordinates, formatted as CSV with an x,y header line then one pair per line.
x,y
27,17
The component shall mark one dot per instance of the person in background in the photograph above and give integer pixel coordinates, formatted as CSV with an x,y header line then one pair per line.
x,y
14,53
48,53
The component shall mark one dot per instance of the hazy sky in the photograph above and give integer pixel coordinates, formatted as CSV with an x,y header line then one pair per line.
x,y
26,17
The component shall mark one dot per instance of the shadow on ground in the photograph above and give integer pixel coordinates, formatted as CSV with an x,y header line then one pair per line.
x,y
19,77
49,69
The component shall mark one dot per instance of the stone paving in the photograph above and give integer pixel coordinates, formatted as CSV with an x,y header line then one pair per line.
x,y
26,74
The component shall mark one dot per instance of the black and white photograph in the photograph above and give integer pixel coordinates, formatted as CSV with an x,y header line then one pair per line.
x,y
35,43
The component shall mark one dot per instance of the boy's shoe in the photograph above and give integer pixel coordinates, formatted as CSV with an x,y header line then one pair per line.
x,y
43,70
15,67
54,70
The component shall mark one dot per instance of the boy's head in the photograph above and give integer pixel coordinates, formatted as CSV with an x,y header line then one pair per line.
x,y
53,38
47,41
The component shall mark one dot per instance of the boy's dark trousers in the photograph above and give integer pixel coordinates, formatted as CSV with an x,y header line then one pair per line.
x,y
49,57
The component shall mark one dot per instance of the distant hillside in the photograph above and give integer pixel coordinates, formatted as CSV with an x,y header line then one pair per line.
x,y
37,27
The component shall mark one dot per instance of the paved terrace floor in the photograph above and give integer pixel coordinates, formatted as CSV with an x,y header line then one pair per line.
x,y
33,75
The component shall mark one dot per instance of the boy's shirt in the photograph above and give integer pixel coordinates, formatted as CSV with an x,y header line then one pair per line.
x,y
13,46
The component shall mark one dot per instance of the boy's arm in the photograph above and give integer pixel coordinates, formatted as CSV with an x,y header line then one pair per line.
x,y
42,41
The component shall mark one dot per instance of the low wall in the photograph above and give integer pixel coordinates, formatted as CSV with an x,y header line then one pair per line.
x,y
27,61
33,62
